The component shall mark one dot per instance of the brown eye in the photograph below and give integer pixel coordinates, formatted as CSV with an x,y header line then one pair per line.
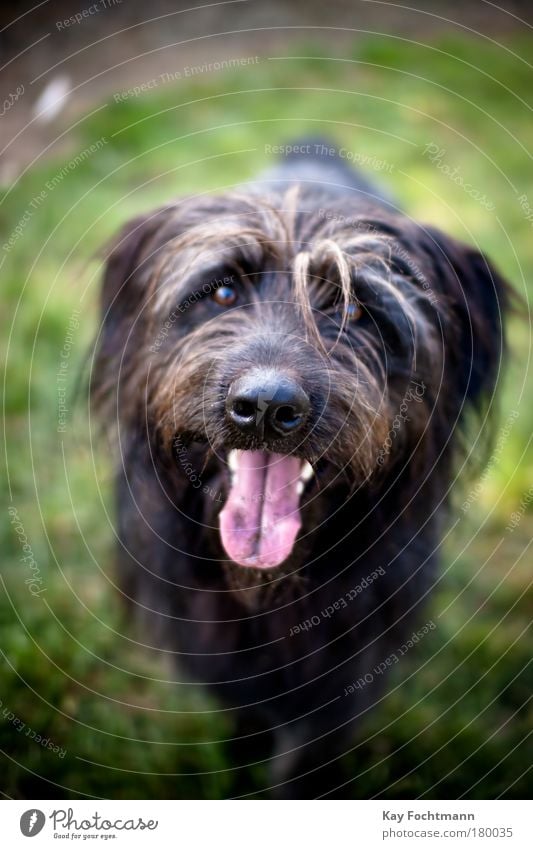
x,y
225,296
353,312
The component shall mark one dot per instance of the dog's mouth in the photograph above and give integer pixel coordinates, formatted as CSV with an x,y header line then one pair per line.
x,y
261,518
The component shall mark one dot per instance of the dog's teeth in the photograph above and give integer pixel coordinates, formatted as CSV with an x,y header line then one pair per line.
x,y
232,461
300,486
307,472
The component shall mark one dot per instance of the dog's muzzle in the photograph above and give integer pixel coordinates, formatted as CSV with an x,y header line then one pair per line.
x,y
261,518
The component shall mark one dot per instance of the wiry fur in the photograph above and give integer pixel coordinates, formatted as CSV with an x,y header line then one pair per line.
x,y
300,253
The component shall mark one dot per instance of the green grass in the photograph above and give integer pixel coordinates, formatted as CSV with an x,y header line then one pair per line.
x,y
456,719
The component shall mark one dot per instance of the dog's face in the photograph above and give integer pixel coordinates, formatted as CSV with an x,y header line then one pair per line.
x,y
307,353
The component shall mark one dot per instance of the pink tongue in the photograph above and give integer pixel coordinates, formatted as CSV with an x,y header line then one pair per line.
x,y
261,517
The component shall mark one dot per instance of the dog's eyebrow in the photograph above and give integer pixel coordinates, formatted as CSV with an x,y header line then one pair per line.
x,y
321,251
194,257
374,259
178,287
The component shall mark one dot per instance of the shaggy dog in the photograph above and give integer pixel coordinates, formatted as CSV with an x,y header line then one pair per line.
x,y
289,369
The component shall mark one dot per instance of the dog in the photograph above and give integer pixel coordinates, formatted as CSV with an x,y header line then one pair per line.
x,y
290,370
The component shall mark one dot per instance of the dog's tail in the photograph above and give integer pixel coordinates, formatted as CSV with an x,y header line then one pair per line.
x,y
317,160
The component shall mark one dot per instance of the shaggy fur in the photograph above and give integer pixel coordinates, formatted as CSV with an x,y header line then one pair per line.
x,y
394,331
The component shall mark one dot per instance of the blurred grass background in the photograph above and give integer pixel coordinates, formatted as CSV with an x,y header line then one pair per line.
x,y
458,717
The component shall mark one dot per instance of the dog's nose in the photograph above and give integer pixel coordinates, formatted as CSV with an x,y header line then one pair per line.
x,y
267,404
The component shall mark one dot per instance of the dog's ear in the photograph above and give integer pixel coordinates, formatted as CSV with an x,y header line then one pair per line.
x,y
123,281
475,299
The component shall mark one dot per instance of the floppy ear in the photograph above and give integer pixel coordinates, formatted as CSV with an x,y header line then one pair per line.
x,y
124,285
124,282
475,299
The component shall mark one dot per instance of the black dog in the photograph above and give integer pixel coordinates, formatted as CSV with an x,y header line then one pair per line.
x,y
290,368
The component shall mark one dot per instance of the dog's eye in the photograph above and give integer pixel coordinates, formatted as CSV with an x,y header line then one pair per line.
x,y
225,296
353,312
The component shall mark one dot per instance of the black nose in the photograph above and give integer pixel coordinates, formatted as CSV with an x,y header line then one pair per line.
x,y
267,404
